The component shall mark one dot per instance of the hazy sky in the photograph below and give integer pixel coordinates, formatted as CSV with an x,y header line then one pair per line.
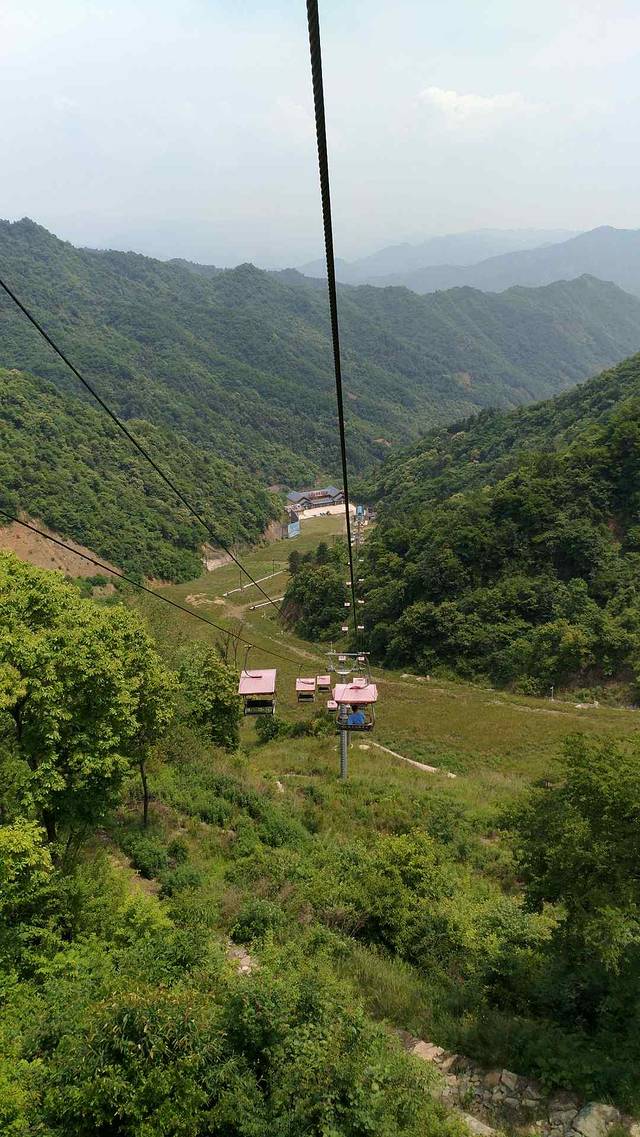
x,y
185,128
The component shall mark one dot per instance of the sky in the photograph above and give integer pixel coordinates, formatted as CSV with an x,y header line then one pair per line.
x,y
185,128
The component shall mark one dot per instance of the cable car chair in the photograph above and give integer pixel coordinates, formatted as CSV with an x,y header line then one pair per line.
x,y
257,690
359,695
306,689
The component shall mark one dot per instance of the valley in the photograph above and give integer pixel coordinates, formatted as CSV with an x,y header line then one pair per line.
x,y
319,585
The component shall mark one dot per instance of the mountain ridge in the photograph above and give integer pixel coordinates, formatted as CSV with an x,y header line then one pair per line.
x,y
606,252
240,362
453,248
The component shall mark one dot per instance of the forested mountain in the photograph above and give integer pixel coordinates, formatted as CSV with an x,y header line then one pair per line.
x,y
511,548
488,446
65,463
452,249
239,361
608,253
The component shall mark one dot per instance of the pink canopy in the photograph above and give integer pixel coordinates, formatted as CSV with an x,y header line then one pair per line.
x,y
323,680
306,684
257,682
355,694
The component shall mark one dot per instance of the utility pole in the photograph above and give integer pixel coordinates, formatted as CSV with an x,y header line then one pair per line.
x,y
343,715
344,752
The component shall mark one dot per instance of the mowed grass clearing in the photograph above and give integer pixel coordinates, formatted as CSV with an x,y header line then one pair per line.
x,y
496,743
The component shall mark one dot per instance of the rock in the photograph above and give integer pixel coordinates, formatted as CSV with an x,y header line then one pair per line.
x,y
534,1090
512,1103
634,1128
492,1078
562,1118
477,1127
509,1080
427,1051
594,1119
448,1062
530,1103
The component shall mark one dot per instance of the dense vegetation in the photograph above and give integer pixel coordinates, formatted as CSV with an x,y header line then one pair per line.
x,y
523,567
240,361
121,1015
64,462
315,598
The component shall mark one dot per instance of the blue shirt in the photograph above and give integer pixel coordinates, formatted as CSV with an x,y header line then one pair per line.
x,y
357,718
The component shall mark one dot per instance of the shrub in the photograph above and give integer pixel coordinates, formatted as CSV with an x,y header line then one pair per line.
x,y
268,727
255,919
147,853
178,850
183,877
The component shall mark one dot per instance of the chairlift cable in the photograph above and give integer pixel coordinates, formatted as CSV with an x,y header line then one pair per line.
x,y
143,588
325,193
132,439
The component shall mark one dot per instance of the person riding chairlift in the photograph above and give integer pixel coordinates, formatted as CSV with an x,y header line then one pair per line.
x,y
356,717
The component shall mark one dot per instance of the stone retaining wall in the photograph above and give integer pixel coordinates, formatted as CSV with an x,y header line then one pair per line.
x,y
504,1100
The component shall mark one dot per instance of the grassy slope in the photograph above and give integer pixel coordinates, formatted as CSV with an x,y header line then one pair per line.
x,y
496,742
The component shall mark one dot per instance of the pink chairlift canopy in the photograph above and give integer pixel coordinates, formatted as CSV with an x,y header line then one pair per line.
x,y
355,694
323,680
306,684
257,682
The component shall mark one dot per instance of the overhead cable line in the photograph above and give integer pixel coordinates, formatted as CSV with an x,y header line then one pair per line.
x,y
143,587
323,164
132,439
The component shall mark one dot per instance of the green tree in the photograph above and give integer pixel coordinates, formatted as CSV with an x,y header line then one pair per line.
x,y
84,696
26,870
578,846
314,601
210,687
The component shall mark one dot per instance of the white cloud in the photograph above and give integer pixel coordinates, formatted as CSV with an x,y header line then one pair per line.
x,y
460,107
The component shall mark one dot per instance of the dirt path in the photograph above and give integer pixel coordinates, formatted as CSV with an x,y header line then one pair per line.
x,y
412,761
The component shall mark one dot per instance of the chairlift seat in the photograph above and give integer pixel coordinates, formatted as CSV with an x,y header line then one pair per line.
x,y
306,689
258,690
355,727
323,682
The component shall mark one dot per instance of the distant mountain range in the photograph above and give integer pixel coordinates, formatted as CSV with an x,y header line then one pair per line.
x,y
453,249
610,254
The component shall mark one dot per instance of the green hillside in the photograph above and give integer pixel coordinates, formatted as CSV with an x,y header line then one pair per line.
x,y
64,462
239,361
512,564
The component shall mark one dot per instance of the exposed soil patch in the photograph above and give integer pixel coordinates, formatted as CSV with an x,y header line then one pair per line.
x,y
38,551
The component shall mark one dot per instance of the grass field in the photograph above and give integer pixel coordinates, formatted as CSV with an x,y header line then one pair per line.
x,y
493,741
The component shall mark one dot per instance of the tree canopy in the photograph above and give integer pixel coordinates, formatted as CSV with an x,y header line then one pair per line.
x,y
529,576
84,695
